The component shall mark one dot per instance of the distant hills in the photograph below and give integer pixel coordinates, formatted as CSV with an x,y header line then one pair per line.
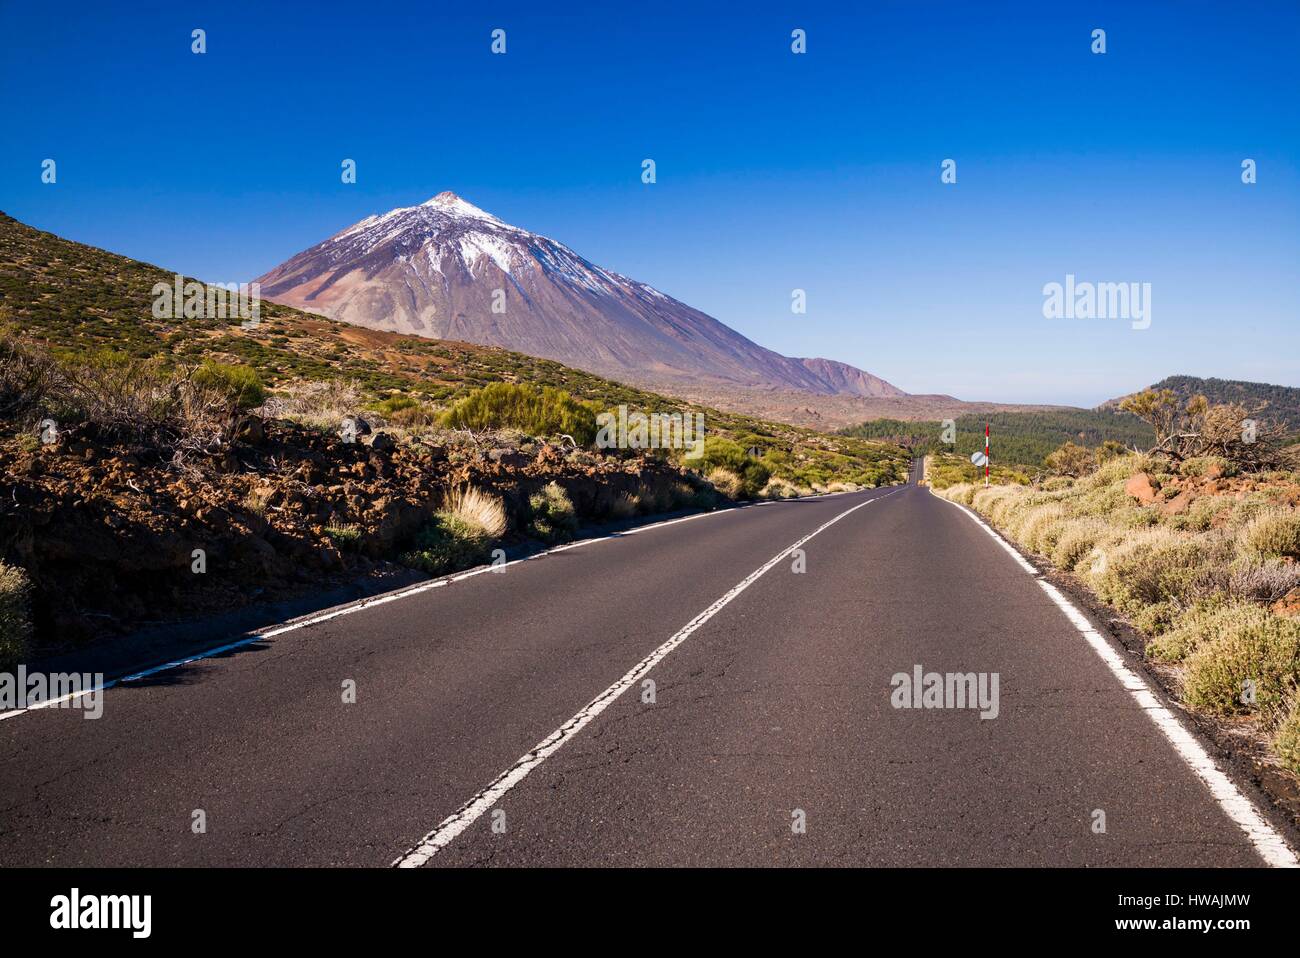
x,y
1019,438
1279,403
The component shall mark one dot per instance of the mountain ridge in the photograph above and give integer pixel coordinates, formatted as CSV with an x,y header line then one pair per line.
x,y
1271,400
446,269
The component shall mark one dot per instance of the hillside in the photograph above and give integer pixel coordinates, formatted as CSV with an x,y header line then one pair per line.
x,y
77,299
1017,438
180,434
1279,403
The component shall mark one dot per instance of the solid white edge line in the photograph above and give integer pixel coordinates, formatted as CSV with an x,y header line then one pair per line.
x,y
1262,836
456,823
372,601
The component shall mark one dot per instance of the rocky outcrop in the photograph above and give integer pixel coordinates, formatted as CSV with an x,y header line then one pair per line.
x,y
114,537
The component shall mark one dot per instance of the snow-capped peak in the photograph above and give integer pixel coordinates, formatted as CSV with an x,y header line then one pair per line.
x,y
452,203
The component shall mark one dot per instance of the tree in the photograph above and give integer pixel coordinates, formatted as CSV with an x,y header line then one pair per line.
x,y
1071,460
1201,428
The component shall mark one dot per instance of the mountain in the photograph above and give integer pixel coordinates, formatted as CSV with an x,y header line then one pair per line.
x,y
1279,403
438,270
80,301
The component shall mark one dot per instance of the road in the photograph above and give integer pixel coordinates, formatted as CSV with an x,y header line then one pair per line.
x,y
772,737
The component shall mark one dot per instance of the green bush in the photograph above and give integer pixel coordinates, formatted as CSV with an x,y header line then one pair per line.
x,y
1203,623
538,412
1076,540
447,543
723,454
460,533
1200,465
1156,566
15,625
393,404
240,384
1271,535
1287,740
1263,651
552,515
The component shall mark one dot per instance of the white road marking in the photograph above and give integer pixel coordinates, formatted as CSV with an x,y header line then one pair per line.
x,y
370,603
1267,842
456,823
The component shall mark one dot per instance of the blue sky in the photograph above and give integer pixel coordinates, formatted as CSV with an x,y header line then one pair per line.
x,y
775,171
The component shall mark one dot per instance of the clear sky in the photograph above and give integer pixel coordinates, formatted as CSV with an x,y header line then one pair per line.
x,y
775,171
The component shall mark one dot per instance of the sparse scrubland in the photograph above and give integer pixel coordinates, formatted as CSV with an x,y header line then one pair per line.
x,y
1196,541
128,442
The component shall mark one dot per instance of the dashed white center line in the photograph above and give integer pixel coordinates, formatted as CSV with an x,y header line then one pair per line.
x,y
456,823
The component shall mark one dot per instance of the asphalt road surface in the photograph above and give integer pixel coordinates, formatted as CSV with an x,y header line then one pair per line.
x,y
770,735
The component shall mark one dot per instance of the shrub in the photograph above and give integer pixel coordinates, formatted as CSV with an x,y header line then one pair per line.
x,y
343,533
27,378
1070,460
623,506
478,509
1201,624
15,625
784,489
1271,535
752,472
538,412
257,499
447,543
1264,652
1204,513
1041,527
1076,539
459,534
1200,465
1260,581
726,482
240,384
1154,566
1119,469
394,404
318,405
1287,740
552,515
963,492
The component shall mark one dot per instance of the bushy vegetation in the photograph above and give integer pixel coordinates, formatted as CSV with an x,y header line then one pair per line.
x,y
732,469
123,397
943,470
537,411
1018,439
460,534
551,514
239,384
1201,581
15,622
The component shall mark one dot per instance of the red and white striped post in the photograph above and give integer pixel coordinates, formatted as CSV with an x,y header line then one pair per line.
x,y
986,454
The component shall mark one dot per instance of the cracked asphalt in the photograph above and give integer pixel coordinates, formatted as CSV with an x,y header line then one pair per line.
x,y
777,710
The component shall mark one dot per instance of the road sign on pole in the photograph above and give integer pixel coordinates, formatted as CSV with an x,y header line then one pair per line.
x,y
986,454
